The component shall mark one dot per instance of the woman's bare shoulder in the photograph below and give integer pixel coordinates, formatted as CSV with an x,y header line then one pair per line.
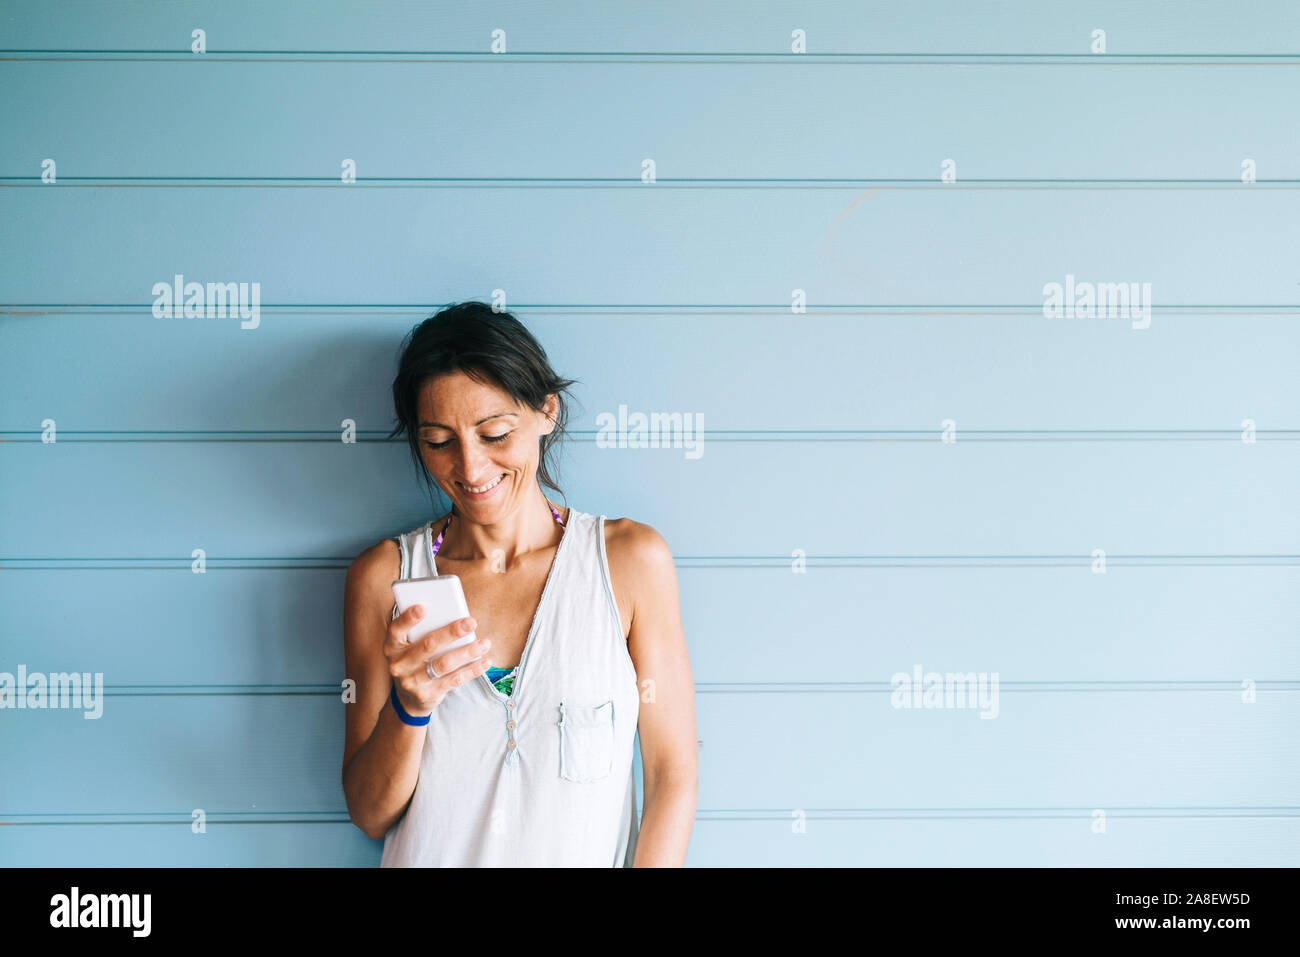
x,y
644,577
635,548
371,574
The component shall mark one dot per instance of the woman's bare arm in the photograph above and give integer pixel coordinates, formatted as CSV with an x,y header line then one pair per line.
x,y
642,566
381,753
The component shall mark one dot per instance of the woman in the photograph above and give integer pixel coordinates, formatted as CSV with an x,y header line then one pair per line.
x,y
515,750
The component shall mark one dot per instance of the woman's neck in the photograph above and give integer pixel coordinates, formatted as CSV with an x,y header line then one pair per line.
x,y
530,527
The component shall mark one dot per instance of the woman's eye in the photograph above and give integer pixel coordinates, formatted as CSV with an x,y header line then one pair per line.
x,y
486,438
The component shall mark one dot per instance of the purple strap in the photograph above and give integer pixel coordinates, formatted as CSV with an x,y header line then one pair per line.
x,y
438,542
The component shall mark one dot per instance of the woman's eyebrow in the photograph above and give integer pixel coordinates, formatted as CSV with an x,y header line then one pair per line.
x,y
439,425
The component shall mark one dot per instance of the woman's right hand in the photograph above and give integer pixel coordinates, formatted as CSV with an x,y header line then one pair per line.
x,y
419,693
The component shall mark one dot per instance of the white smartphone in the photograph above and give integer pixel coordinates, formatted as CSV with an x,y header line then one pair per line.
x,y
443,599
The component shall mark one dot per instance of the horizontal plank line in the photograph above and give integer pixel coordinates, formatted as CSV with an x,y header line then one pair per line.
x,y
1073,687
633,182
667,56
1013,813
590,436
1035,310
782,562
332,818
1223,685
34,565
983,817
90,818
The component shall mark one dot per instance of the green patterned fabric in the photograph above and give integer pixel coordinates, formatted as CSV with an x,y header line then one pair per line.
x,y
503,679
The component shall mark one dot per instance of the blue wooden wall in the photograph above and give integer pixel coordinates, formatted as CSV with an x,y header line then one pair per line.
x,y
1147,714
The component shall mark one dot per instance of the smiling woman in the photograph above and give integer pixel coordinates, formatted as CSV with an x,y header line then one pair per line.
x,y
454,762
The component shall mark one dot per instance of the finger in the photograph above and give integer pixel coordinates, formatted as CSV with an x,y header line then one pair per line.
x,y
430,645
395,637
415,661
458,676
449,661
436,641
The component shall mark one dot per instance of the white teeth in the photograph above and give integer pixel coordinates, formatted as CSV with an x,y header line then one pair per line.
x,y
485,488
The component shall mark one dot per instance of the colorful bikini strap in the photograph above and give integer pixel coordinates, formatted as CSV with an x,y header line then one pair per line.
x,y
438,541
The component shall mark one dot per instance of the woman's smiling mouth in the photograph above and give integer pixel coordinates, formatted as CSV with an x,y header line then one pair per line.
x,y
477,492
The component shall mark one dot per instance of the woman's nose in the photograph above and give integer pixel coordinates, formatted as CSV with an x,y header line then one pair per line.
x,y
472,461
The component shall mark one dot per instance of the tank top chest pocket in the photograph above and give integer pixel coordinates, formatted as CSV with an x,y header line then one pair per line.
x,y
586,741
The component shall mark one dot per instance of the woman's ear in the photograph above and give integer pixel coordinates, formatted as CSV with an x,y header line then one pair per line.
x,y
551,411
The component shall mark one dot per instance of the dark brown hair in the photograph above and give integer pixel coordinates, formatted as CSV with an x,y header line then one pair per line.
x,y
487,346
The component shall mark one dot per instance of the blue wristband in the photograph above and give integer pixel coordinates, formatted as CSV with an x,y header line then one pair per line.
x,y
403,714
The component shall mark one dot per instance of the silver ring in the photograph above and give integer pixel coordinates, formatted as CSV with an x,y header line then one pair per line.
x,y
428,667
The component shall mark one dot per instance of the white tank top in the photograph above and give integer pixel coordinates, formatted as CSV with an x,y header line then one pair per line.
x,y
541,777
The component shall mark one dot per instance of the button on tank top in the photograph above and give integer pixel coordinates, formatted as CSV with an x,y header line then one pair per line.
x,y
541,777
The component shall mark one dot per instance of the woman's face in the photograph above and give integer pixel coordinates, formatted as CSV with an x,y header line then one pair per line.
x,y
480,446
